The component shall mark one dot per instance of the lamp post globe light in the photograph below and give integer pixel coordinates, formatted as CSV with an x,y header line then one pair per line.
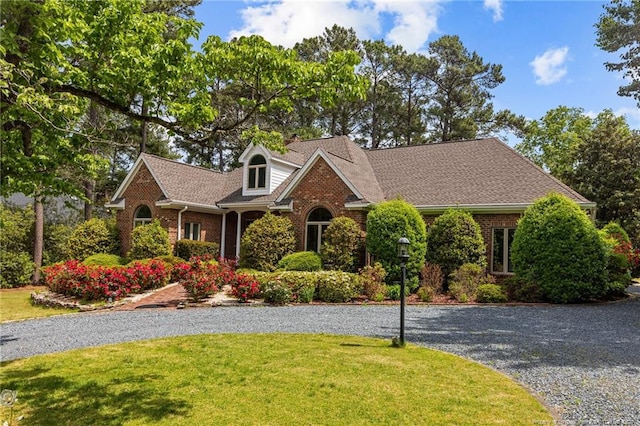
x,y
403,256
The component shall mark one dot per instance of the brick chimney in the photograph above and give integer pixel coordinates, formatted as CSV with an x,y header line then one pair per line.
x,y
294,138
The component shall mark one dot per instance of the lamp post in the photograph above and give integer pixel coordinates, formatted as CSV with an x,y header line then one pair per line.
x,y
403,256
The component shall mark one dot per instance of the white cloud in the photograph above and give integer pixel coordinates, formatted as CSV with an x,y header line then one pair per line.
x,y
286,22
632,115
550,67
496,7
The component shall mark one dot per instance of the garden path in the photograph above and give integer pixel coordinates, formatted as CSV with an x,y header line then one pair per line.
x,y
174,296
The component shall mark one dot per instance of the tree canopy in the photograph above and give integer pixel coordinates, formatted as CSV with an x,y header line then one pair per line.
x,y
598,157
618,30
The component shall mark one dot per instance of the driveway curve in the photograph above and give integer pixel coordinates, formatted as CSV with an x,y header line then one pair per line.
x,y
582,360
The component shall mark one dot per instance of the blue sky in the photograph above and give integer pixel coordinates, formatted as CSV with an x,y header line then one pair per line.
x,y
547,48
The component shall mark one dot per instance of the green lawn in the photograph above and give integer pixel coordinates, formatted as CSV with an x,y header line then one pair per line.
x,y
15,304
257,379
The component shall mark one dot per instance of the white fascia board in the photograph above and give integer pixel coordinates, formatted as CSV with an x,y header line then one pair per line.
x,y
285,162
129,178
118,206
358,206
175,204
246,205
283,207
252,150
488,208
476,208
305,169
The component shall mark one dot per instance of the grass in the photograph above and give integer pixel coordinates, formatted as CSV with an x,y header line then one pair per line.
x,y
257,379
15,304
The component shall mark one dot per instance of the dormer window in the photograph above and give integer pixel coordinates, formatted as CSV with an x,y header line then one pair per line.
x,y
257,172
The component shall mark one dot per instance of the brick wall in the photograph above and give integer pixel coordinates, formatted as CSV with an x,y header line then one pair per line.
x,y
487,222
321,187
210,226
144,190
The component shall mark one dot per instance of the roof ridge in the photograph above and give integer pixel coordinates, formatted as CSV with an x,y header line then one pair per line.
x,y
181,163
422,145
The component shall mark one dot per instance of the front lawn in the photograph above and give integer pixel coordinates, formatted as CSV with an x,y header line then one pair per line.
x,y
264,379
15,304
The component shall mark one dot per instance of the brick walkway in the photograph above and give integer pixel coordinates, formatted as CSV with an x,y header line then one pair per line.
x,y
172,296
168,297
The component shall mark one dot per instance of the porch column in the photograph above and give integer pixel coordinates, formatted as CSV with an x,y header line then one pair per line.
x,y
223,234
238,230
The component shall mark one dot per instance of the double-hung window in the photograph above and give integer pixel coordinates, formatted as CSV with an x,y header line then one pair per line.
x,y
317,222
191,231
501,258
257,173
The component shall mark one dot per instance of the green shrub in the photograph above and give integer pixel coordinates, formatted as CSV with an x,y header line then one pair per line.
x,y
103,259
266,241
431,282
302,284
490,293
15,229
56,238
386,224
620,254
276,292
372,278
301,261
92,237
558,247
425,294
340,242
454,239
16,269
186,249
148,241
615,230
464,281
522,290
337,286
171,260
393,292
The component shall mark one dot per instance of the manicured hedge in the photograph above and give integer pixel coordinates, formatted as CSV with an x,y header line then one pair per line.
x,y
187,249
558,247
301,261
324,286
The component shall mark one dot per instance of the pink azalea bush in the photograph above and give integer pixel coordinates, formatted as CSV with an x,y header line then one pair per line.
x,y
245,287
75,279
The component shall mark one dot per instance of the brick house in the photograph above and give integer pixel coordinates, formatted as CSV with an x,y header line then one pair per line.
x,y
317,180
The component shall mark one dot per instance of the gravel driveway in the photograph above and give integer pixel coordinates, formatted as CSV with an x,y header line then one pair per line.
x,y
583,360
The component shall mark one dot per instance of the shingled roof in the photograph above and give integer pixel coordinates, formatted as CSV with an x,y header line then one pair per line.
x,y
482,172
473,172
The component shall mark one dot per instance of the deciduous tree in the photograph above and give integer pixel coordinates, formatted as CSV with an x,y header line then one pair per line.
x,y
618,30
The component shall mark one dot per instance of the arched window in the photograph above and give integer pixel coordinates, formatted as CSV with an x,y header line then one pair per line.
x,y
317,222
257,172
142,216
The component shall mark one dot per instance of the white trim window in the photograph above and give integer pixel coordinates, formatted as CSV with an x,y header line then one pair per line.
x,y
142,216
257,173
501,256
317,222
191,231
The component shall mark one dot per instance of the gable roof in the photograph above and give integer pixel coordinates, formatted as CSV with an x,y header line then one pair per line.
x,y
479,174
179,182
465,173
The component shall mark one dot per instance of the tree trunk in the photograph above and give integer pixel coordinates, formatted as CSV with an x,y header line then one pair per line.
x,y
38,240
90,184
90,193
144,129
